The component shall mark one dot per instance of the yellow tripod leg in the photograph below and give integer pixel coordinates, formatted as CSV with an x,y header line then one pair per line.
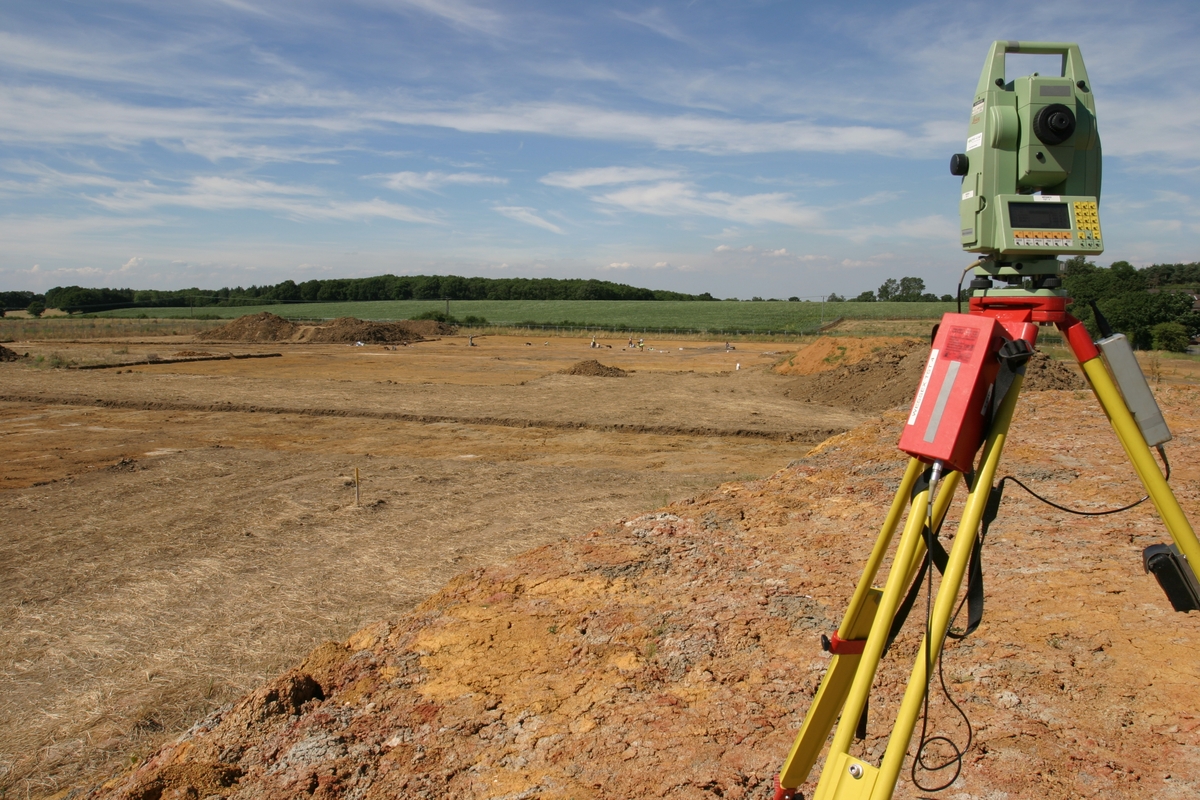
x,y
893,592
856,625
1143,462
848,778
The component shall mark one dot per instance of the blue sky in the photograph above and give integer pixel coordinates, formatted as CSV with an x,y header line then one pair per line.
x,y
751,148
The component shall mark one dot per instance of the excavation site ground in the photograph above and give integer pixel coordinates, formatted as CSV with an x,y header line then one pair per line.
x,y
183,528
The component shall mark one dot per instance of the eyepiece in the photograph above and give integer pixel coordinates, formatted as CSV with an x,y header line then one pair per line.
x,y
959,164
1054,124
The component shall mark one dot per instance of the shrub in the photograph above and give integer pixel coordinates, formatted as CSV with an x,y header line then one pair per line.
x,y
1171,336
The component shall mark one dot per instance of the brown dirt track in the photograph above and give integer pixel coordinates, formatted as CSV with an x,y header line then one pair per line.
x,y
186,531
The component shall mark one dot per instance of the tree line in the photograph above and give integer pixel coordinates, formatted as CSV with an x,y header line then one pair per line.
x,y
1153,305
904,290
338,290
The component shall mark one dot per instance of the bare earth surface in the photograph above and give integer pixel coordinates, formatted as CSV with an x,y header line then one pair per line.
x,y
673,654
176,533
181,533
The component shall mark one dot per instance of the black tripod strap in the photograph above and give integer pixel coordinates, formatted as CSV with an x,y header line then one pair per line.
x,y
974,575
975,571
940,557
1013,356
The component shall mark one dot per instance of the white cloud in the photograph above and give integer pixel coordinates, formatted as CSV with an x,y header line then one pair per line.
x,y
673,199
707,134
619,265
935,227
132,264
456,12
528,216
655,20
218,193
661,265
722,248
605,176
427,181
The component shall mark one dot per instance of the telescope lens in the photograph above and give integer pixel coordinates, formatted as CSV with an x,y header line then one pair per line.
x,y
1054,124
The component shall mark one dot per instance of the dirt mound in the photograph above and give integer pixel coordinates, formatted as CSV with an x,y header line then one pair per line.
x,y
8,355
191,354
595,369
267,327
831,352
264,327
1043,372
674,654
427,327
886,378
889,377
347,330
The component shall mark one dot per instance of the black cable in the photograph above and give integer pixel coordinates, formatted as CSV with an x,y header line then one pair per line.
x,y
956,760
961,278
925,740
1161,453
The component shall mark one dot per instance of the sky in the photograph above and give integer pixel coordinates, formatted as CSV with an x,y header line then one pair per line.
x,y
758,148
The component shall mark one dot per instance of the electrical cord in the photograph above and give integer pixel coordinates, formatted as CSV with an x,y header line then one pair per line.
x,y
1161,454
920,759
961,278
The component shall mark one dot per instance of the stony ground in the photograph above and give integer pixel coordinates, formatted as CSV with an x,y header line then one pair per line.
x,y
673,654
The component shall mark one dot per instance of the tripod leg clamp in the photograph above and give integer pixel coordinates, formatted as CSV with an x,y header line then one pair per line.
x,y
842,647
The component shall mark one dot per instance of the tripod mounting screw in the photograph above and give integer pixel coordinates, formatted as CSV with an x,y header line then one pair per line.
x,y
856,771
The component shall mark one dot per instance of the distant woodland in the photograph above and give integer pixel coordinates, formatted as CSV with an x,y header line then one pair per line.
x,y
340,290
1152,305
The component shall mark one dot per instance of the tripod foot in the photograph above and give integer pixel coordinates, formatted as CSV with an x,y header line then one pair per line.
x,y
786,794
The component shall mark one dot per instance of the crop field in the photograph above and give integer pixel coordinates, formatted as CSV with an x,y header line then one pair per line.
x,y
634,315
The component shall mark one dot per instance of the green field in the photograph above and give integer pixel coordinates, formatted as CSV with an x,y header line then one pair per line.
x,y
716,317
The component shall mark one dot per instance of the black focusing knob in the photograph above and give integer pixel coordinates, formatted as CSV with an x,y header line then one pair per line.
x,y
1054,124
959,164
981,283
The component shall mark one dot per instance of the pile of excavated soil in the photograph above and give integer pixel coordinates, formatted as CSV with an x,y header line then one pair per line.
x,y
594,369
674,654
1043,372
8,355
267,327
831,352
347,330
889,377
191,354
263,327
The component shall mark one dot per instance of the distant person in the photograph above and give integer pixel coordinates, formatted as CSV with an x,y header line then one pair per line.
x,y
630,342
470,341
594,345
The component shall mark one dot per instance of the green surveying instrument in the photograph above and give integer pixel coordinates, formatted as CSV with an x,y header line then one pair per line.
x,y
1030,192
